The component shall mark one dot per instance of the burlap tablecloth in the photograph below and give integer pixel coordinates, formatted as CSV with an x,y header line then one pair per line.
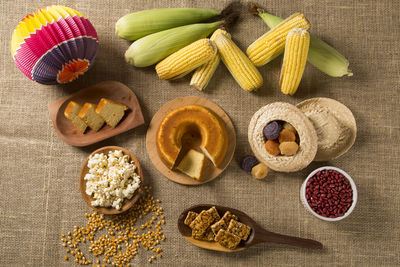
x,y
39,195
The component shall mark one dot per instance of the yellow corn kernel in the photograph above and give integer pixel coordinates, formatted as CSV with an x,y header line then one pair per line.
x,y
294,60
238,64
187,59
203,74
272,43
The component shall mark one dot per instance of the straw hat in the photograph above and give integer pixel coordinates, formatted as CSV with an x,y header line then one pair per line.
x,y
291,114
335,126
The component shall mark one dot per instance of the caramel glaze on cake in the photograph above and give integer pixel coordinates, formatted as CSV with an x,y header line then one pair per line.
x,y
192,118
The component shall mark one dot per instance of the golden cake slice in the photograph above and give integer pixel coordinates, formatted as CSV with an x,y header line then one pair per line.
x,y
110,111
90,117
192,164
192,118
71,113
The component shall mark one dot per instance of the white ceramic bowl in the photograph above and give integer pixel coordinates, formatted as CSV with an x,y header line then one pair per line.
x,y
307,206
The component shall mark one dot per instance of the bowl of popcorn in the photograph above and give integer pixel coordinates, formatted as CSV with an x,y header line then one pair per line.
x,y
282,137
111,180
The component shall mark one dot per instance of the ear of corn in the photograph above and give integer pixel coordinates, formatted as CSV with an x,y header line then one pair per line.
x,y
157,46
138,24
238,64
186,59
294,60
202,76
321,55
272,43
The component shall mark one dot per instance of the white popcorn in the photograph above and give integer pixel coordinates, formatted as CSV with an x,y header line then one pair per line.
x,y
111,179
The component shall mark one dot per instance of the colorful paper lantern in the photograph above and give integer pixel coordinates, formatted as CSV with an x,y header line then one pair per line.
x,y
54,45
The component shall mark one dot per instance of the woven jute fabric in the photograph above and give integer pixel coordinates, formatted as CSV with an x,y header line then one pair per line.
x,y
39,194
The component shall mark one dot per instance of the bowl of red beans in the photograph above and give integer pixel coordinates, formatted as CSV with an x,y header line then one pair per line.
x,y
329,193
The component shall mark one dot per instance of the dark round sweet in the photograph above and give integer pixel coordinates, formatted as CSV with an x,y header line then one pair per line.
x,y
272,130
248,163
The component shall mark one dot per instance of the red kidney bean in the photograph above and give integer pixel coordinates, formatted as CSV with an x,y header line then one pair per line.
x,y
329,193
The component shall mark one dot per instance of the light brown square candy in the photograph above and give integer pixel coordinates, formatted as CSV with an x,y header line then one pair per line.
x,y
214,213
208,235
201,223
224,222
227,239
239,229
190,217
221,224
228,216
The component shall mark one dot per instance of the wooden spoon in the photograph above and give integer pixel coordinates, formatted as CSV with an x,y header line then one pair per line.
x,y
128,203
257,235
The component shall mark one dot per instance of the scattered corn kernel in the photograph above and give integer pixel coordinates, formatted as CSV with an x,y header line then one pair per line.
x,y
109,244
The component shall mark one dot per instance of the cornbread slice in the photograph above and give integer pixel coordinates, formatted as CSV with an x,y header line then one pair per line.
x,y
90,117
239,229
192,164
224,222
71,113
201,223
111,112
227,239
190,217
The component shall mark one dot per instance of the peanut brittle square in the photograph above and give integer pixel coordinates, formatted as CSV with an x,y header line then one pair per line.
x,y
208,235
223,223
200,224
190,217
214,213
239,229
227,239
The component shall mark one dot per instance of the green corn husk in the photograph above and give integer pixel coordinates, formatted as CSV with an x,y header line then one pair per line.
x,y
157,46
323,56
138,24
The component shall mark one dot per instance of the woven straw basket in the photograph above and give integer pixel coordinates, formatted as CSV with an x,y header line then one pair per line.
x,y
326,129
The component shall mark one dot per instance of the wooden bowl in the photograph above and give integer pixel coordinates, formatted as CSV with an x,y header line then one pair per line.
x,y
112,90
210,172
128,203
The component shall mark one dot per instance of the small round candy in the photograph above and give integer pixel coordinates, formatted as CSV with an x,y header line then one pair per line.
x,y
259,171
272,130
248,163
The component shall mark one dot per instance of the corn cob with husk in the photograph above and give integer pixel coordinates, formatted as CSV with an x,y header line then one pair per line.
x,y
323,56
271,44
187,59
238,64
138,24
202,76
157,46
294,60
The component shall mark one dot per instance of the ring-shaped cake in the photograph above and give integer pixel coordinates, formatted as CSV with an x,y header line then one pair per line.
x,y
192,118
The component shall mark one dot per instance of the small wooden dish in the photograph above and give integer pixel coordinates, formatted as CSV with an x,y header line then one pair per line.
x,y
210,172
128,203
112,90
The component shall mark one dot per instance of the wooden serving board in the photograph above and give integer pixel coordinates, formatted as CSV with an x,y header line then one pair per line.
x,y
112,90
210,172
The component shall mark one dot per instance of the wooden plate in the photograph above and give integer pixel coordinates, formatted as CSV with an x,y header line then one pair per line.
x,y
128,203
210,172
112,90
